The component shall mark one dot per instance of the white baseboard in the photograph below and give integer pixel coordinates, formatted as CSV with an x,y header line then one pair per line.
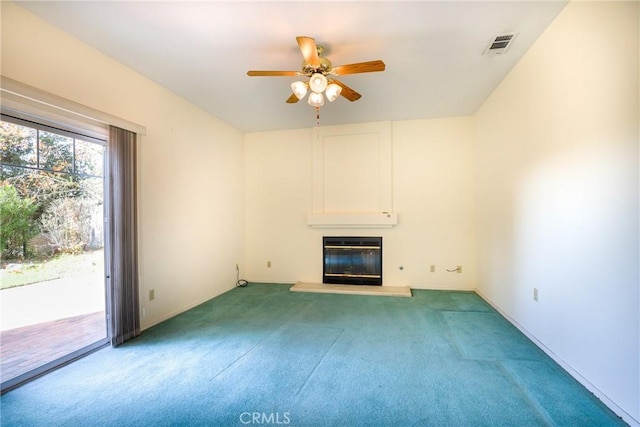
x,y
626,417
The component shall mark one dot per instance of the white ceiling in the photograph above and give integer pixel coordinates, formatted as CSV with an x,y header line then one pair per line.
x,y
202,51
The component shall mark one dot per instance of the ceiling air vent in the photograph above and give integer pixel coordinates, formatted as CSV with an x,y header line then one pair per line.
x,y
500,44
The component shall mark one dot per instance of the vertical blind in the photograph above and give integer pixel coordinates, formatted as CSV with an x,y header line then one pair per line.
x,y
123,277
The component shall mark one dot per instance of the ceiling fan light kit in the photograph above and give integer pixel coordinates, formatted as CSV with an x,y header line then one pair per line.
x,y
317,68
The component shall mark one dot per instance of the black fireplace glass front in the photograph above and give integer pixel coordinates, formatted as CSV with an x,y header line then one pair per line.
x,y
352,260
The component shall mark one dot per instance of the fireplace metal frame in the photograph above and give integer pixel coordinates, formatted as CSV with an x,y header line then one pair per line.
x,y
348,260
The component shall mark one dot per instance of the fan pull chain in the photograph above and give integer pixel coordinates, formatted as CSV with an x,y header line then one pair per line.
x,y
317,130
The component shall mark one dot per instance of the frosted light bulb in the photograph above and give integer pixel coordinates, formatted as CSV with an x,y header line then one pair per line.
x,y
318,83
299,89
316,99
333,91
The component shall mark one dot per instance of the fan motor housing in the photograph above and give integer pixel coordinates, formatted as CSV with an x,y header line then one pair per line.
x,y
324,68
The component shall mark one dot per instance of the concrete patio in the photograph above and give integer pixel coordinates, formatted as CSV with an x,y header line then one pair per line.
x,y
43,321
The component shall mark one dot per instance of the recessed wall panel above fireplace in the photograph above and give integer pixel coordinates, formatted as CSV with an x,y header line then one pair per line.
x,y
352,176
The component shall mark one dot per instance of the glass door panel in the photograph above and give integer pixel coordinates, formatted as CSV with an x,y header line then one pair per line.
x,y
52,280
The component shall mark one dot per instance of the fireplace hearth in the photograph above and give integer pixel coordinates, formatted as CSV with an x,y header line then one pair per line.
x,y
352,260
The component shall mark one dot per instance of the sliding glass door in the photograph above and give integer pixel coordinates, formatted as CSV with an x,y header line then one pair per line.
x,y
52,242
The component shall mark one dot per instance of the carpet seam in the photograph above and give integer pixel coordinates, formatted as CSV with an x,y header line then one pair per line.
x,y
451,337
315,368
533,402
246,353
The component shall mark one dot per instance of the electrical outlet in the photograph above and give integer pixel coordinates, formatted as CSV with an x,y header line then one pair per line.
x,y
432,269
459,268
268,264
152,294
535,294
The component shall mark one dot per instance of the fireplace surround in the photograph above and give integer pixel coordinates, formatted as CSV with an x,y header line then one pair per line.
x,y
352,260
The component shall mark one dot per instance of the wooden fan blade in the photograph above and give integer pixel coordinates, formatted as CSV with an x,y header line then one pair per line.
x,y
254,73
347,92
309,50
360,67
292,99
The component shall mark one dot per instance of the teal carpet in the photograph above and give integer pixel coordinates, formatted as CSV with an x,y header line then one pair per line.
x,y
262,355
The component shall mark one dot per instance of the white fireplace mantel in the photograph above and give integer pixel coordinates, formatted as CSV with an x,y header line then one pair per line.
x,y
353,220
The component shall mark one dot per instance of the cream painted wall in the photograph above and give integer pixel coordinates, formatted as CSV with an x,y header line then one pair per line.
x,y
190,166
432,193
557,160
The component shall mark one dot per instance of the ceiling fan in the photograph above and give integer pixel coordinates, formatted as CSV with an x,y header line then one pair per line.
x,y
321,74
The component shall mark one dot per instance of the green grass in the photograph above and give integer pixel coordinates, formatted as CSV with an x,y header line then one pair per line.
x,y
29,272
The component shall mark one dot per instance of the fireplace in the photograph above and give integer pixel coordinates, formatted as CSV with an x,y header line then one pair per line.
x,y
352,260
